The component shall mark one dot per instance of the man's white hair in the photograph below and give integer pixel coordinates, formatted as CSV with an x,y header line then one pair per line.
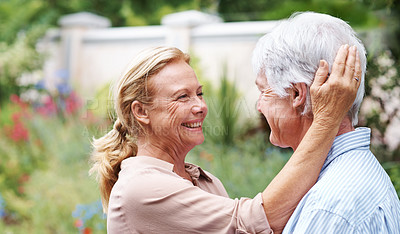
x,y
291,53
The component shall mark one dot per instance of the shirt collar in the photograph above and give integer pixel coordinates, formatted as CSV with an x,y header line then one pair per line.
x,y
358,139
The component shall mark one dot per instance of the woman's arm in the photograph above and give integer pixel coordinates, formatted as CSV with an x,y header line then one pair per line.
x,y
331,100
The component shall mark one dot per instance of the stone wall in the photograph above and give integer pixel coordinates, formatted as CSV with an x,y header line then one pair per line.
x,y
89,53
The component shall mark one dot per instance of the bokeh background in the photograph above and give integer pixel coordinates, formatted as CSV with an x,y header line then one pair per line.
x,y
47,123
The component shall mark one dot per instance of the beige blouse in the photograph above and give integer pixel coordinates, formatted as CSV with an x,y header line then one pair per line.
x,y
150,198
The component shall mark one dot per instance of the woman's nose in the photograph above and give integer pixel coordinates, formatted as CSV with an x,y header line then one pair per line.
x,y
199,106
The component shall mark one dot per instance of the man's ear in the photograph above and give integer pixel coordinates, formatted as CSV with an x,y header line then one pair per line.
x,y
140,112
299,94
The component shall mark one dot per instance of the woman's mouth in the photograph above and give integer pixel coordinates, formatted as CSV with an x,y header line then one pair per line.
x,y
192,125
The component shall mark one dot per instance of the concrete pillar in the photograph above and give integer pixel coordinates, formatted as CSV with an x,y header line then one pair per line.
x,y
179,26
72,30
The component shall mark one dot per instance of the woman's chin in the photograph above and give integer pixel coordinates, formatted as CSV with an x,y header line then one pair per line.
x,y
199,141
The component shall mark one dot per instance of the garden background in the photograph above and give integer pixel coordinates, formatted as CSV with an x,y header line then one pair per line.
x,y
45,141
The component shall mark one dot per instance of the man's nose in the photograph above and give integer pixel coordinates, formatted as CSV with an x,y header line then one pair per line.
x,y
258,103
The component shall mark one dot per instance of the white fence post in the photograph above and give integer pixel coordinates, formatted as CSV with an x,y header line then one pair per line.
x,y
179,26
73,27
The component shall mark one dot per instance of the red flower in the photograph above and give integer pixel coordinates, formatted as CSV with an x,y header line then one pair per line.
x,y
24,178
87,231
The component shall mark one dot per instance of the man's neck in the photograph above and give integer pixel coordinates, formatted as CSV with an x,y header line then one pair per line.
x,y
345,127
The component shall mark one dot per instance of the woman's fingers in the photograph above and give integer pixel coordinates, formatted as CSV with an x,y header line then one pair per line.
x,y
339,65
358,70
321,74
331,99
350,65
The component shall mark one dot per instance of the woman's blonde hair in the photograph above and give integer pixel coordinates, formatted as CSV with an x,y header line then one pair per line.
x,y
120,142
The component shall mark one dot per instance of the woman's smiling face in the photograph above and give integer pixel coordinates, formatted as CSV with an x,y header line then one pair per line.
x,y
178,110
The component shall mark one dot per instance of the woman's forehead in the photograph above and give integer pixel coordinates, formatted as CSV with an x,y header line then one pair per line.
x,y
173,77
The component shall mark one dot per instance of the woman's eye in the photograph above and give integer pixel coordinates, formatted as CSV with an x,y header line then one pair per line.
x,y
183,96
200,94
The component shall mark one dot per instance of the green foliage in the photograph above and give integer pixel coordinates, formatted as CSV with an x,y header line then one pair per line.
x,y
44,173
245,168
394,172
24,157
221,123
356,12
102,105
21,28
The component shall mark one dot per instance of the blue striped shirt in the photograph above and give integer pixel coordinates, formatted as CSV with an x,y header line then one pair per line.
x,y
353,193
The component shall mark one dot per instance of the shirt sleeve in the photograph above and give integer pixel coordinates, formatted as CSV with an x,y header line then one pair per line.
x,y
170,204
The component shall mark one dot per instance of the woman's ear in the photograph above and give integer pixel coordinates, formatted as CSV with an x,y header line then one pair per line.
x,y
299,95
140,112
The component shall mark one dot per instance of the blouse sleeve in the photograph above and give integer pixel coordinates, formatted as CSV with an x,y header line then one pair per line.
x,y
166,203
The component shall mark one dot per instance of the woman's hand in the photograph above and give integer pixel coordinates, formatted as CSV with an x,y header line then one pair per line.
x,y
332,98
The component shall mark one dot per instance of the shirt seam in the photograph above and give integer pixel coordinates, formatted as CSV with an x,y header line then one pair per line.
x,y
334,214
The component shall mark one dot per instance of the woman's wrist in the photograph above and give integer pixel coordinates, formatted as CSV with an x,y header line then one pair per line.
x,y
326,123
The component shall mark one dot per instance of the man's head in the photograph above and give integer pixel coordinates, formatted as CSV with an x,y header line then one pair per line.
x,y
289,55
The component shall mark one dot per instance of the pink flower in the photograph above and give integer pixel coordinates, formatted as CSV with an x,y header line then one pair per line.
x,y
17,100
78,223
16,117
49,107
18,132
72,103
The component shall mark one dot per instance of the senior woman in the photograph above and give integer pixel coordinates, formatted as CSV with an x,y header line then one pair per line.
x,y
145,183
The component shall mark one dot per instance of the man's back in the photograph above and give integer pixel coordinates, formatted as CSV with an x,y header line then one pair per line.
x,y
353,194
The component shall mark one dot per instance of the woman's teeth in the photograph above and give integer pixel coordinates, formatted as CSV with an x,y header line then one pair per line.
x,y
192,125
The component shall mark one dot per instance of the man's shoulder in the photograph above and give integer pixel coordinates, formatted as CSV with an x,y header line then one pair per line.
x,y
352,186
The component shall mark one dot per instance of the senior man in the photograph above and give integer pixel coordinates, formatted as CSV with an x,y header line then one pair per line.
x,y
353,193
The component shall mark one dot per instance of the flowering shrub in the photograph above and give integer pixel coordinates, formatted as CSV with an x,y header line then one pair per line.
x,y
44,150
17,131
89,217
2,207
17,161
380,110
